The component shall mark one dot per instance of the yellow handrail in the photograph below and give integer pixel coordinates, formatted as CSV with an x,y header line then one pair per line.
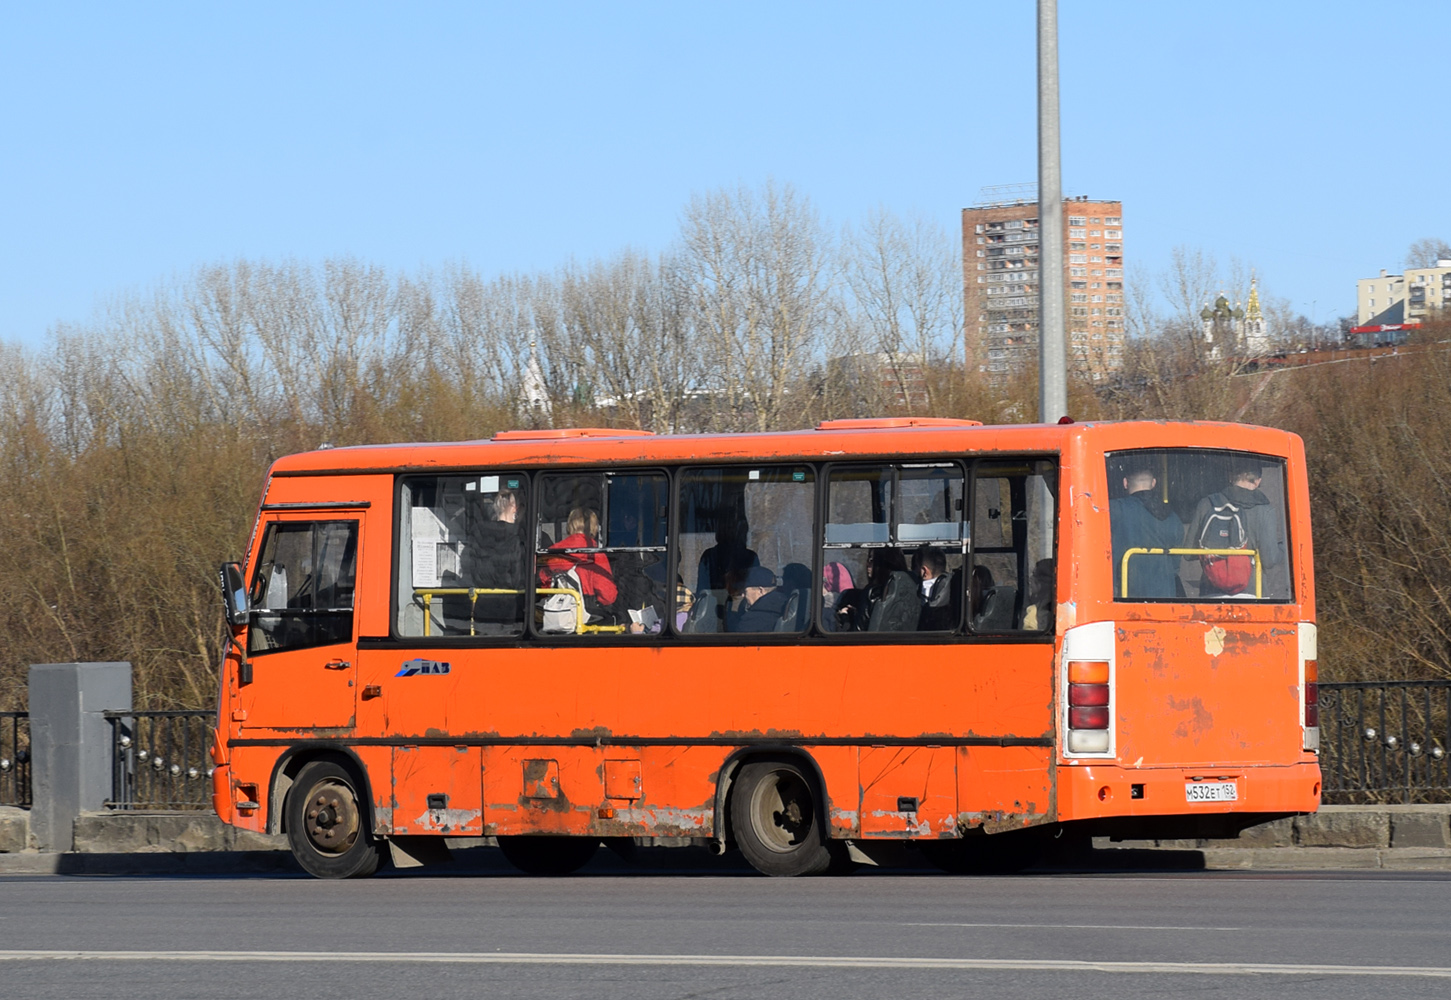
x,y
429,593
1253,553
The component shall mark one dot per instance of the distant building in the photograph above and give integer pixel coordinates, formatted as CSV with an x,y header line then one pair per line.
x,y
1001,284
893,380
1403,299
1235,331
534,405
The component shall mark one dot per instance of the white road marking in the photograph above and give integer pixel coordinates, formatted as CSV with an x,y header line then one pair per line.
x,y
1082,927
771,961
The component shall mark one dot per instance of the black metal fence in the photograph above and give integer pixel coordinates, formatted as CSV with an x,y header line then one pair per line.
x,y
1385,742
14,759
162,760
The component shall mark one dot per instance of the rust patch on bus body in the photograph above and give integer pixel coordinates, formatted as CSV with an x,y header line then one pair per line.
x,y
757,734
1001,821
1201,720
447,820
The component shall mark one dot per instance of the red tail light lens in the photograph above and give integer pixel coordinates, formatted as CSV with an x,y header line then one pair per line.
x,y
1088,718
1312,694
1088,706
1088,694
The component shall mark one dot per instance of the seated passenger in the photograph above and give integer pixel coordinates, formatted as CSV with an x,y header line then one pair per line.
x,y
596,581
994,603
893,597
796,581
762,605
495,544
939,611
724,565
1038,617
979,582
684,601
835,581
490,560
889,601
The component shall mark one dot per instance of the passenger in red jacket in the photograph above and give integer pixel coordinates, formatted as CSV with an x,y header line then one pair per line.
x,y
596,581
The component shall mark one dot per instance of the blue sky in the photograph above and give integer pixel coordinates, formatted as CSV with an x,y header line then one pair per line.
x,y
1306,139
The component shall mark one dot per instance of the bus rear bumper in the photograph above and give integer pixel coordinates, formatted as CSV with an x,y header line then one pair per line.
x,y
1094,791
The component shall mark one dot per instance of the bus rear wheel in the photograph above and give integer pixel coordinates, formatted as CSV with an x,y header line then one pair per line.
x,y
777,820
548,855
327,824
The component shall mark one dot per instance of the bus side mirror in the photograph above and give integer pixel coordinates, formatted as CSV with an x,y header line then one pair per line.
x,y
234,594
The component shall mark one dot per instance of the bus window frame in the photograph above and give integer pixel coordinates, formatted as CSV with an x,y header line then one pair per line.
x,y
1024,569
304,515
823,498
749,638
668,635
1107,455
536,500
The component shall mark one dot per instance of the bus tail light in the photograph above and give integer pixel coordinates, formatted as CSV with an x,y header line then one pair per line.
x,y
1312,695
1309,687
1088,706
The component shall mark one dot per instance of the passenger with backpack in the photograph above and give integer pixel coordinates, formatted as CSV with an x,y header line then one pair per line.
x,y
1238,517
577,555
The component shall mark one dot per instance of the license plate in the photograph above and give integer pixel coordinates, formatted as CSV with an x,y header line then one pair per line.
x,y
1211,791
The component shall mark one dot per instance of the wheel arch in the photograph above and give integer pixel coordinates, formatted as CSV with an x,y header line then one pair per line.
x,y
723,837
291,763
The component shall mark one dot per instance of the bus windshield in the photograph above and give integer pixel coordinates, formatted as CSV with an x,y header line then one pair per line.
x,y
1198,525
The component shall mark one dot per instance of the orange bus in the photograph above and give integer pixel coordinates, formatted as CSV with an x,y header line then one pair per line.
x,y
811,645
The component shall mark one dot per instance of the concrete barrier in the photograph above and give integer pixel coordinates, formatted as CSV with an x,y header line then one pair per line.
x,y
14,830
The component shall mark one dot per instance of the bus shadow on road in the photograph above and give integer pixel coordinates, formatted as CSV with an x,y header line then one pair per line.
x,y
614,860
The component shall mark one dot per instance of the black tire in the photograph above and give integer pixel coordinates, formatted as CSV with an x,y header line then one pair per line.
x,y
994,854
777,819
327,824
548,855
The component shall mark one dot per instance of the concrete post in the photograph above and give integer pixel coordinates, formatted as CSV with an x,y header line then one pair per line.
x,y
1052,330
71,744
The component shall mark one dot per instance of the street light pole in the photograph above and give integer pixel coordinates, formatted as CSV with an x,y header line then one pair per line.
x,y
1052,342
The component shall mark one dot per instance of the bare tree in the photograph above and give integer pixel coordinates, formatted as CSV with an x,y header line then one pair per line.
x,y
755,269
1427,251
905,284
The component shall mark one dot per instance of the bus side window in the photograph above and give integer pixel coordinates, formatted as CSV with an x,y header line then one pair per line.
x,y
600,553
746,535
1011,585
303,586
461,558
892,558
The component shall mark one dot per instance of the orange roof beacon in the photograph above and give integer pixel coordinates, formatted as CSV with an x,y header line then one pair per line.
x,y
805,644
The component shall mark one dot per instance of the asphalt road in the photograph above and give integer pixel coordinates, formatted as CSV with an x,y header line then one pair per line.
x,y
720,931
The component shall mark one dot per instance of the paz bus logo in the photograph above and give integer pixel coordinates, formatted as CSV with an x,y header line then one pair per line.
x,y
415,667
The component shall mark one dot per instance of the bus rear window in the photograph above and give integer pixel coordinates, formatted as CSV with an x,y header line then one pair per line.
x,y
1198,525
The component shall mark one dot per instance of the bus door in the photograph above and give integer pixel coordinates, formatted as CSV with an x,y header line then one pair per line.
x,y
300,641
1011,601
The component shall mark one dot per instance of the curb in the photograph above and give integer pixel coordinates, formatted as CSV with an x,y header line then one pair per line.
x,y
1402,838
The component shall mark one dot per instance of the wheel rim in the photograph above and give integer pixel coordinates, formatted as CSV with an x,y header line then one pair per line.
x,y
331,817
782,811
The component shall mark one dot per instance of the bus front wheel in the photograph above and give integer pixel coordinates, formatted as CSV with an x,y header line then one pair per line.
x,y
327,824
777,820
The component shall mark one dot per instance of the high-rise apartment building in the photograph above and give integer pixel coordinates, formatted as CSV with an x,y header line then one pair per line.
x,y
1000,281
